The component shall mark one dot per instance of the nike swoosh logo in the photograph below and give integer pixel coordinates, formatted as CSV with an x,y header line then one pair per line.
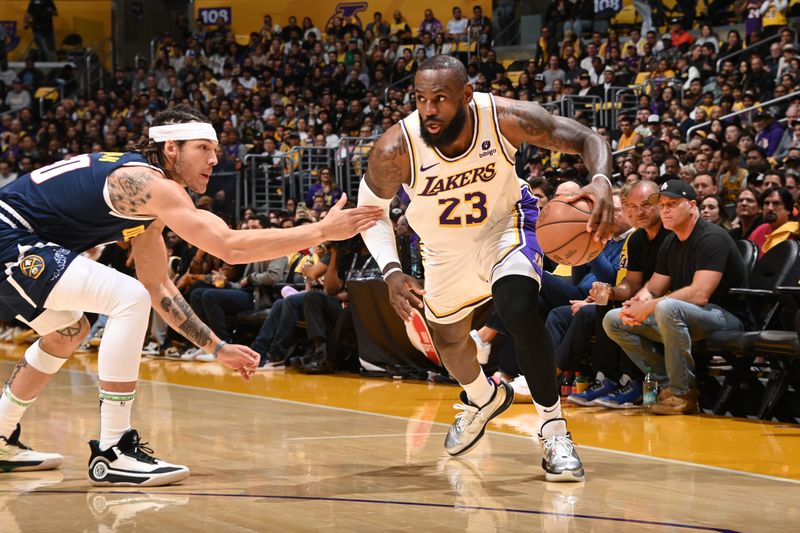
x,y
550,411
423,168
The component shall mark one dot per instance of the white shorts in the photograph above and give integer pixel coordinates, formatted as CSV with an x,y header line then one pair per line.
x,y
458,281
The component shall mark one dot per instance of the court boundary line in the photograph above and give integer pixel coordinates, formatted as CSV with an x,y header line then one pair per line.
x,y
492,432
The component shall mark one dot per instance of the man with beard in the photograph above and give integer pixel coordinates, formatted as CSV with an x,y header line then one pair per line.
x,y
454,156
777,209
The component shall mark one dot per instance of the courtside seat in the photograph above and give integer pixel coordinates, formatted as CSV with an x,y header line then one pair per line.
x,y
779,266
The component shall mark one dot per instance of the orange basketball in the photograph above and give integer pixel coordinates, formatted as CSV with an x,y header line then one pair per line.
x,y
561,232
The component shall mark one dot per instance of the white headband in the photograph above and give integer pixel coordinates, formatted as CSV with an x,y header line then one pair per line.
x,y
183,132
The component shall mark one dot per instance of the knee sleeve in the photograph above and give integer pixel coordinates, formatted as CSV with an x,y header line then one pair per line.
x,y
89,286
43,361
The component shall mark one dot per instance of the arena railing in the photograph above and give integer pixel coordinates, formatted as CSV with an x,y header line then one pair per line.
x,y
750,109
747,50
351,162
270,180
587,105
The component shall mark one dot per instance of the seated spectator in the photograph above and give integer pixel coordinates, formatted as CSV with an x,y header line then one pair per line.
x,y
712,210
686,299
457,26
777,205
325,185
618,381
430,24
327,323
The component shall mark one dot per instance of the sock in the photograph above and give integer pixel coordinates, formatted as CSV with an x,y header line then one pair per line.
x,y
551,413
11,411
115,416
480,391
483,348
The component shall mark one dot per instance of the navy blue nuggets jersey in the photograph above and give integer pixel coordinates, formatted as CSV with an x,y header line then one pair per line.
x,y
67,203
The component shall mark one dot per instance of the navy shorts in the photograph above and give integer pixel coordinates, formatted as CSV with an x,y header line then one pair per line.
x,y
32,268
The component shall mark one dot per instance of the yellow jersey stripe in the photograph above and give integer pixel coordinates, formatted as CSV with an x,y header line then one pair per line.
x,y
498,133
472,303
411,152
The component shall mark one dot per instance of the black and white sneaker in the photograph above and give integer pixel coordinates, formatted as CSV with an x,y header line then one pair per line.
x,y
16,457
128,463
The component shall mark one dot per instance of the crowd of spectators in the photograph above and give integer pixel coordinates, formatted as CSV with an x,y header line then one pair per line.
x,y
299,85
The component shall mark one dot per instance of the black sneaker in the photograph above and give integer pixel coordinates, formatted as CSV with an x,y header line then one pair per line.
x,y
16,457
128,463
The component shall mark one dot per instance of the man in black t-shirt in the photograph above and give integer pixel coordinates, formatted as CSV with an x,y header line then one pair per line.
x,y
618,384
685,299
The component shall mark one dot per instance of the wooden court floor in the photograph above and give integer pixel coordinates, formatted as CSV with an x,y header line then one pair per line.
x,y
287,452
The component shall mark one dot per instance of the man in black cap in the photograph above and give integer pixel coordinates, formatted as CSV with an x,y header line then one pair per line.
x,y
685,299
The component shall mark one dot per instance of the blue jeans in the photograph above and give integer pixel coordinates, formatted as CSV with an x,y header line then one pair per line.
x,y
213,304
278,326
674,324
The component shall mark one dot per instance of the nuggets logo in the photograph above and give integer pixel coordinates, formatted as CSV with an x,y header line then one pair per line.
x,y
32,266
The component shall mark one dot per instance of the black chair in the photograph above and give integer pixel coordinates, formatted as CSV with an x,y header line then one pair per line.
x,y
779,266
749,252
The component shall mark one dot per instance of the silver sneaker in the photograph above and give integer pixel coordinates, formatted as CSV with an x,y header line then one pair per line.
x,y
471,422
560,460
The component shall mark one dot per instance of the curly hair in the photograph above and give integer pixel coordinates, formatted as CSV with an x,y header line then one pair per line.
x,y
154,151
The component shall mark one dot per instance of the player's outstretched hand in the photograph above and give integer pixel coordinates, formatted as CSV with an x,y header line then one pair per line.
x,y
602,220
343,223
402,289
239,357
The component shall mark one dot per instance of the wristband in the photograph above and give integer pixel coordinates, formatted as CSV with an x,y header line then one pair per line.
x,y
218,348
391,271
605,177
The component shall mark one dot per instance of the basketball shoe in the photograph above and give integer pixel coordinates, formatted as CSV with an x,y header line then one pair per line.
x,y
560,460
470,423
129,463
16,457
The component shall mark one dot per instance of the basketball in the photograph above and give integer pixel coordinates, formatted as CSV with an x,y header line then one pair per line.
x,y
561,232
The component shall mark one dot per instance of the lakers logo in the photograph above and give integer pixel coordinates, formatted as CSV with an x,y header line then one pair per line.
x,y
32,266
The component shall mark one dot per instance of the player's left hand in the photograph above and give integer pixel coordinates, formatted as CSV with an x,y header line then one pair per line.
x,y
634,313
601,222
239,357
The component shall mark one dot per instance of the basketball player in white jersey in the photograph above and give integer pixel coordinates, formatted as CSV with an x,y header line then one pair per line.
x,y
454,156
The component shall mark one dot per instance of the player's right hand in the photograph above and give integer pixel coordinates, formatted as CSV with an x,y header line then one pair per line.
x,y
343,223
239,357
402,289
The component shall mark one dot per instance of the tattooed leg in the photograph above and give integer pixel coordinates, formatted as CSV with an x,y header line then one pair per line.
x,y
43,359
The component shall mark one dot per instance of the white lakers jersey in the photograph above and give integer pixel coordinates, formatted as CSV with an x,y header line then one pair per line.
x,y
456,201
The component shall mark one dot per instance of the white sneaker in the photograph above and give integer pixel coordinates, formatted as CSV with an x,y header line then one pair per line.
x,y
484,349
470,423
16,457
205,357
191,354
128,463
522,393
152,349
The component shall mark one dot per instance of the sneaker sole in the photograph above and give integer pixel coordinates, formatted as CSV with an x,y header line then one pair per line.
x,y
580,401
30,466
614,405
116,478
568,476
505,405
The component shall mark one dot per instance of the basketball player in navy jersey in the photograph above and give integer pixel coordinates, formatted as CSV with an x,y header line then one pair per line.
x,y
454,156
49,216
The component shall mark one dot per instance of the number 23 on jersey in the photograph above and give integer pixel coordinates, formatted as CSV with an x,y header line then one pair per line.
x,y
477,216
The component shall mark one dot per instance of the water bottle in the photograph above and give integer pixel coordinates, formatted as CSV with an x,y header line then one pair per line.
x,y
566,384
649,390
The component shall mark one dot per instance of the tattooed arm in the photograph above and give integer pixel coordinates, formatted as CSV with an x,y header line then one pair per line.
x,y
143,191
150,255
389,166
528,122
